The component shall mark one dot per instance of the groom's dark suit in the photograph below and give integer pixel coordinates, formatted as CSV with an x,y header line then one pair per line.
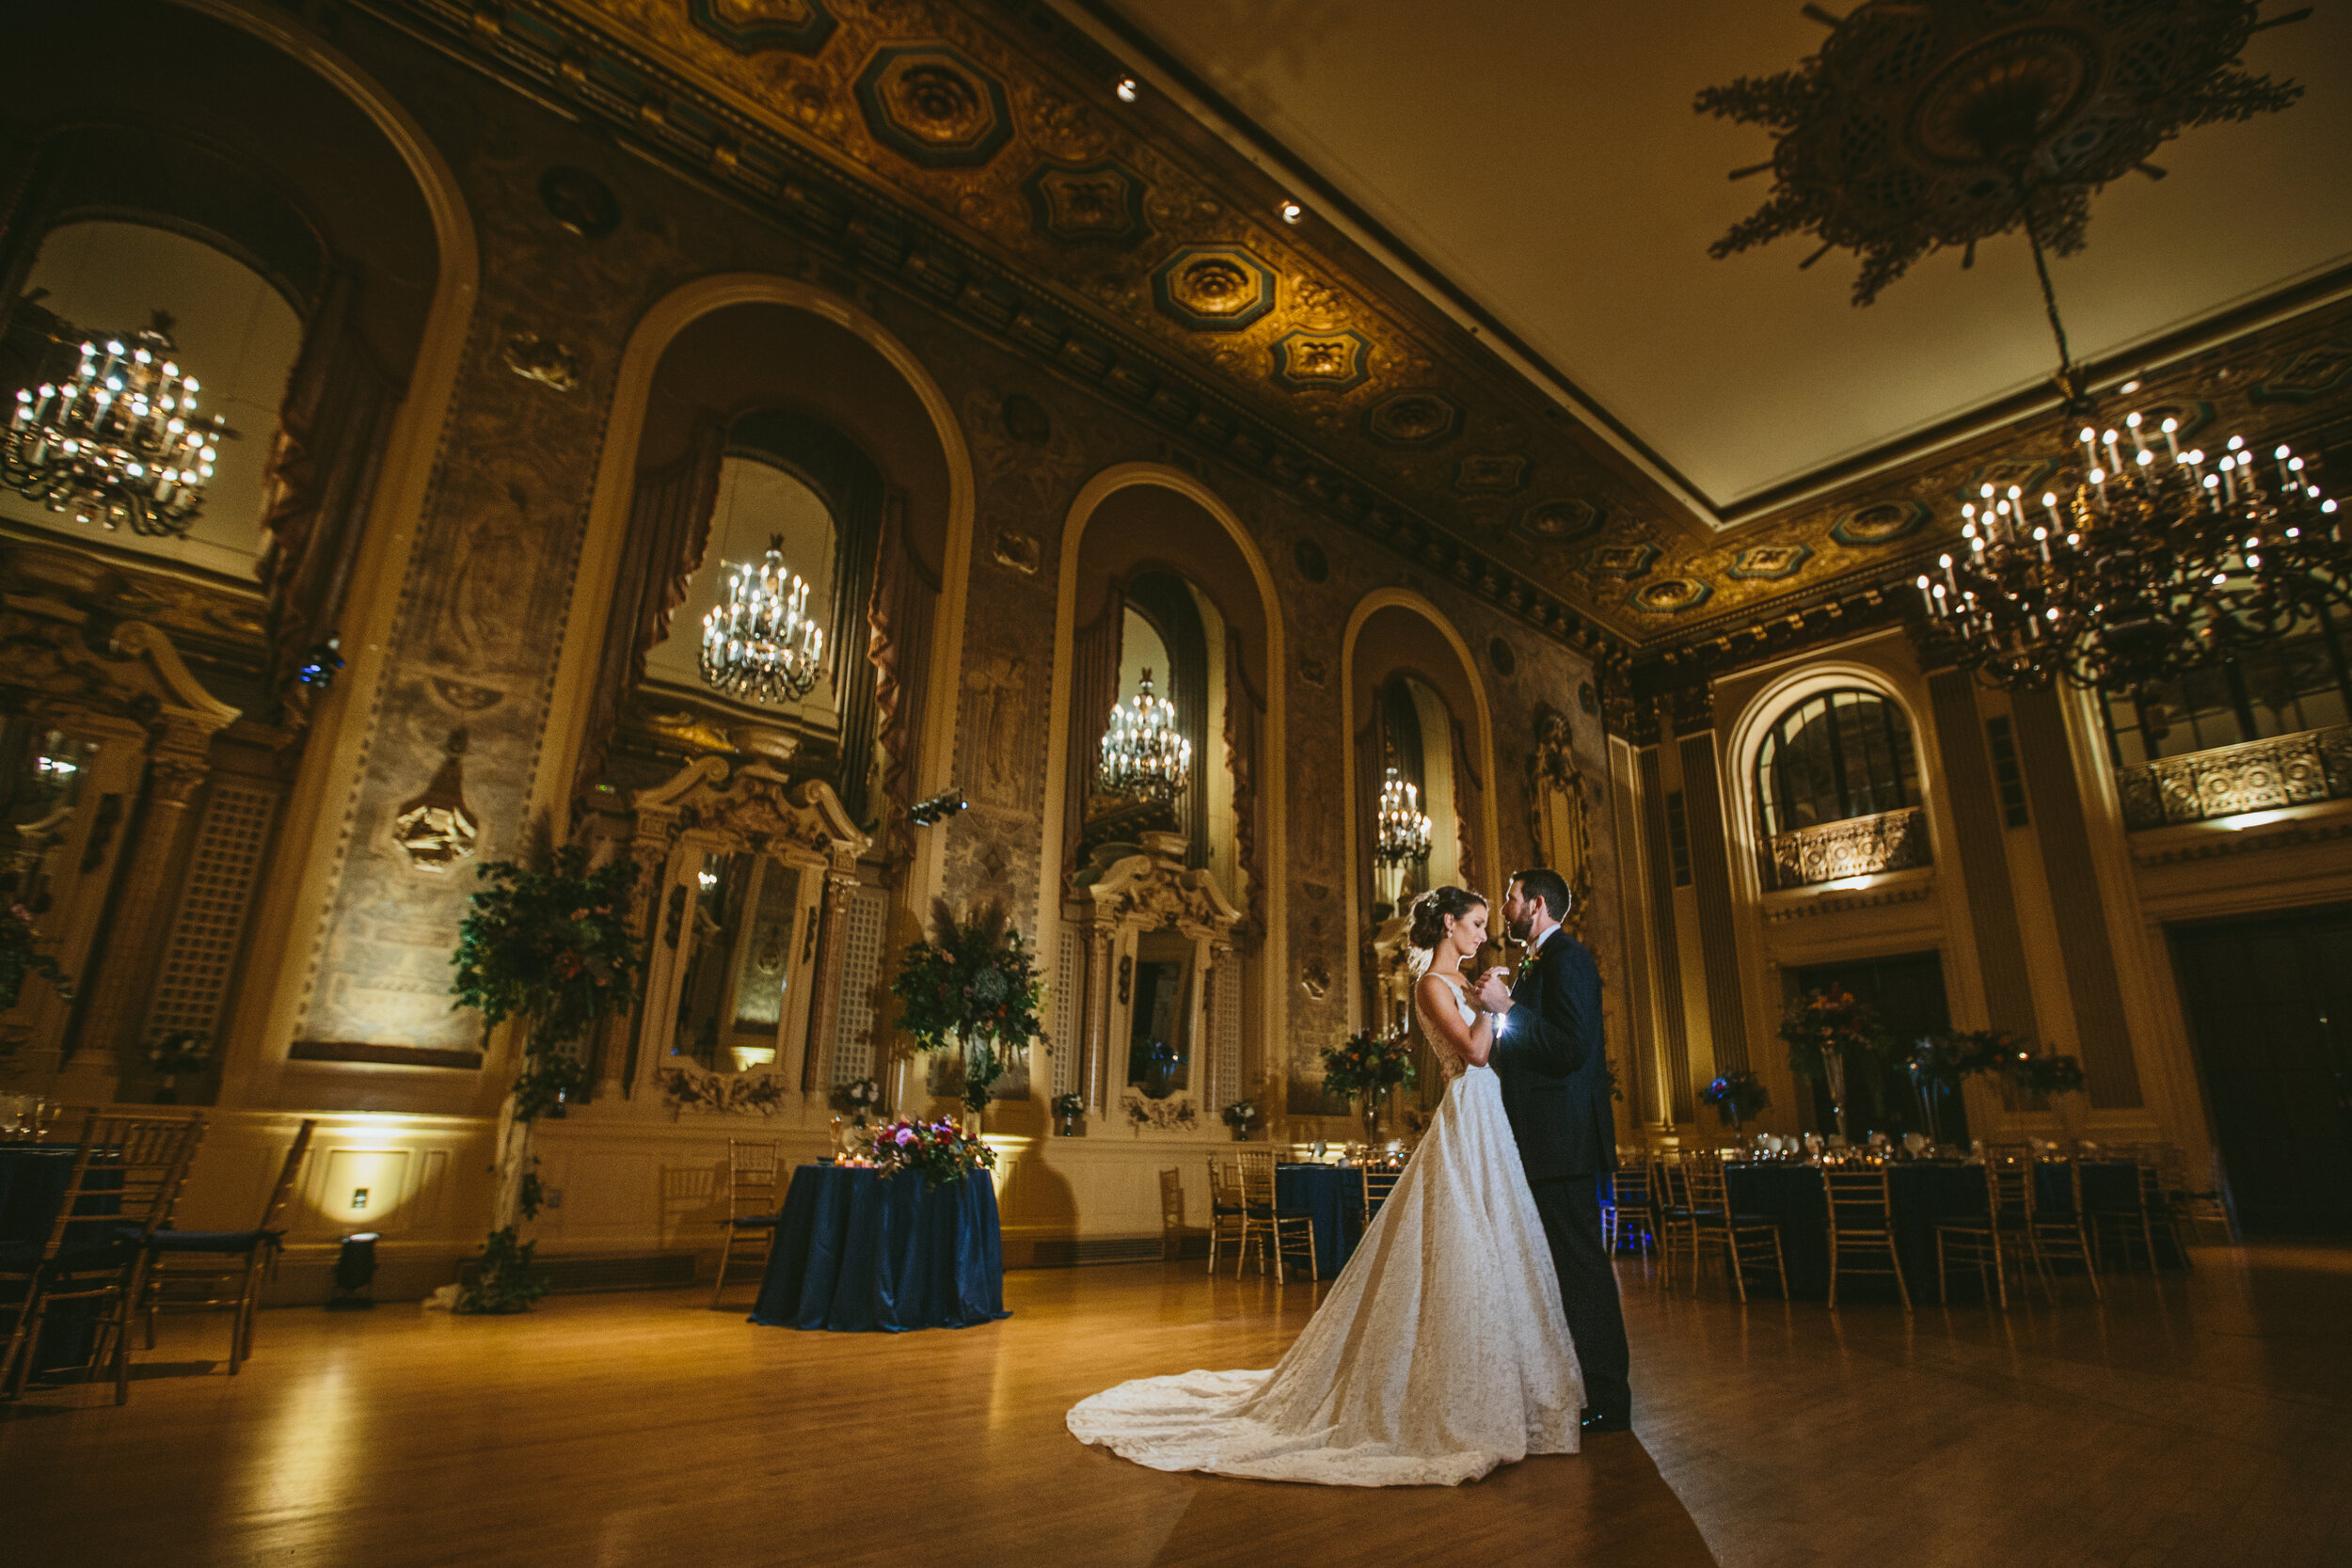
x,y
1555,1089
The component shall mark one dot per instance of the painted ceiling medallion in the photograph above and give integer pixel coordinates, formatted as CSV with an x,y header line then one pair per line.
x,y
1090,202
749,26
1219,288
1321,361
1622,561
1880,523
1670,595
1415,419
929,103
1920,127
1770,562
1490,473
2312,374
1562,522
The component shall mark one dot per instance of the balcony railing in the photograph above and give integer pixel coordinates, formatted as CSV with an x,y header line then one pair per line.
x,y
2229,781
1857,847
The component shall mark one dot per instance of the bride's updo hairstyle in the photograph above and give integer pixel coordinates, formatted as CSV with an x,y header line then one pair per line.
x,y
1432,910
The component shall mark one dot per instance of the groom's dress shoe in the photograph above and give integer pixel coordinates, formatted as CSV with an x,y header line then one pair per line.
x,y
1595,1421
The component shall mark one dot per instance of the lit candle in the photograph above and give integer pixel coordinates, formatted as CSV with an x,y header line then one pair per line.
x,y
2169,444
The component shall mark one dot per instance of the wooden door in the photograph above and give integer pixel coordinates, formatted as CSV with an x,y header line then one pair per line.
x,y
2269,1004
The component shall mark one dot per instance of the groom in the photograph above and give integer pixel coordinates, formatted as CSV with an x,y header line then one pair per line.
x,y
1555,1089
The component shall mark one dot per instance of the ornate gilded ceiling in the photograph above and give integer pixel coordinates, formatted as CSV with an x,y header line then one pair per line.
x,y
981,157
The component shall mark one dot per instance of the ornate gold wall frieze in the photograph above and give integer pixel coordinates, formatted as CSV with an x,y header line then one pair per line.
x,y
1873,898
1857,847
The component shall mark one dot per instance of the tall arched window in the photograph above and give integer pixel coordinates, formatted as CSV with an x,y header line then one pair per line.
x,y
1835,755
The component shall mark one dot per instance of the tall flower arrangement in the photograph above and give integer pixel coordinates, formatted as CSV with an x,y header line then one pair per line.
x,y
1822,1028
974,988
1366,1066
548,942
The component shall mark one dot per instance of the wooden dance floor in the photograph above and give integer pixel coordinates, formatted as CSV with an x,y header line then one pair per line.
x,y
2205,1419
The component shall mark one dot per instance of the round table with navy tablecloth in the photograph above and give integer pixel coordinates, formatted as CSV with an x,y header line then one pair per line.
x,y
1922,1191
1332,1196
33,1180
856,1251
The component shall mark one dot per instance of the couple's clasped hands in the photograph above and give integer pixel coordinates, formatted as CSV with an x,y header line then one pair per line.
x,y
1494,990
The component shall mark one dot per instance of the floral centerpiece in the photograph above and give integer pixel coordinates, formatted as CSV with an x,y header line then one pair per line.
x,y
973,987
1366,1066
2044,1074
1069,1107
1736,1096
863,1095
20,955
1822,1028
1239,1116
180,1050
548,942
942,1151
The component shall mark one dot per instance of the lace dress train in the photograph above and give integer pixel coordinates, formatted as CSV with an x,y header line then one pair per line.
x,y
1439,1354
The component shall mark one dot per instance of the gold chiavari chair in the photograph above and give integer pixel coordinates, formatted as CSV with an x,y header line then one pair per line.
x,y
126,1176
1670,1198
202,1269
1745,1238
1379,1181
1278,1231
1226,1210
1862,1225
2114,1217
2184,1207
2060,1232
1991,1237
1626,1214
754,1203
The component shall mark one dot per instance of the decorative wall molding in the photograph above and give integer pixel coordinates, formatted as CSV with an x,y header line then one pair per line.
x,y
1857,847
2230,781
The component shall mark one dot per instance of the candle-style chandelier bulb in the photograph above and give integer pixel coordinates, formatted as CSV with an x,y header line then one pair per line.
x,y
1401,832
762,643
117,439
1143,755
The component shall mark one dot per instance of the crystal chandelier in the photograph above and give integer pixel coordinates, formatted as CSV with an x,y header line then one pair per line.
x,y
2152,561
1143,756
119,441
1400,836
762,643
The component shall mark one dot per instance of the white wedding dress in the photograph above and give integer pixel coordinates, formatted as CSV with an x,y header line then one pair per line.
x,y
1439,1354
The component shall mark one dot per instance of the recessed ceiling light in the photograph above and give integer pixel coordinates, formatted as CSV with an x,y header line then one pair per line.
x,y
2130,386
1293,212
1127,89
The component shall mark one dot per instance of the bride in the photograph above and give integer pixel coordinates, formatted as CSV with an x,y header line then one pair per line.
x,y
1441,1351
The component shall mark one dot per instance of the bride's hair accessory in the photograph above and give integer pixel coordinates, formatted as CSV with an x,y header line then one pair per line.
x,y
1430,912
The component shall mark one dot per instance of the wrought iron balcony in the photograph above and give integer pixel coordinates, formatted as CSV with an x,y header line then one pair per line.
x,y
2257,775
1857,847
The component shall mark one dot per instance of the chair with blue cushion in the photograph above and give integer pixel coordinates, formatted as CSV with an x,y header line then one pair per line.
x,y
755,1200
1228,1209
202,1269
1279,1233
126,1175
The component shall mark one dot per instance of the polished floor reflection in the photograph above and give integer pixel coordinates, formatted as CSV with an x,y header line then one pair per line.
x,y
2203,1419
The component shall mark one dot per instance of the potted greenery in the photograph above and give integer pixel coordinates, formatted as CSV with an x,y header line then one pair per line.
x,y
971,989
547,943
1069,1107
20,955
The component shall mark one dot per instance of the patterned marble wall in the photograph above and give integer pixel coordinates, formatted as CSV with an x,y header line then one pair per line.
x,y
484,608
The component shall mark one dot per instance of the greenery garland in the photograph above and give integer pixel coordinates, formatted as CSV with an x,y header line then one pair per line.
x,y
973,987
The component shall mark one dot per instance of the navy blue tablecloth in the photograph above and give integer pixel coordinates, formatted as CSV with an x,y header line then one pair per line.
x,y
1922,1191
1333,1198
33,1180
858,1253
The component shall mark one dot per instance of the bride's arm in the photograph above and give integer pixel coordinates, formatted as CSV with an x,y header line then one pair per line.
x,y
1474,1043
